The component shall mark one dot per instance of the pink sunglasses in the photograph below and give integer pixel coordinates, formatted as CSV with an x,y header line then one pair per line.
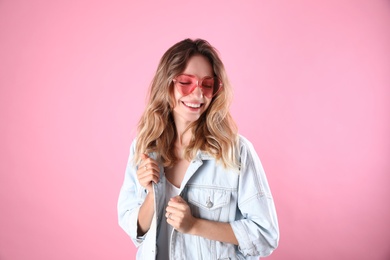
x,y
186,84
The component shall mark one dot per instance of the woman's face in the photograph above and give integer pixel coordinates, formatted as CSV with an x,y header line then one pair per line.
x,y
190,107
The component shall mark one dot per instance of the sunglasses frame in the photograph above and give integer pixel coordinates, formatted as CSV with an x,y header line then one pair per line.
x,y
198,84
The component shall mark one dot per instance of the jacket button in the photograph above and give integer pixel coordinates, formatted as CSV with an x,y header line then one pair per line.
x,y
209,203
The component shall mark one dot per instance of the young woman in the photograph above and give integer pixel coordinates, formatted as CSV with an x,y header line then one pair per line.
x,y
194,188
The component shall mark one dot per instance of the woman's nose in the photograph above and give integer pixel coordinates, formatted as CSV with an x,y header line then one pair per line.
x,y
198,91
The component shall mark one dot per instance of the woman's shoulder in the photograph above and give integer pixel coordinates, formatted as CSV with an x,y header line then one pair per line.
x,y
246,148
244,143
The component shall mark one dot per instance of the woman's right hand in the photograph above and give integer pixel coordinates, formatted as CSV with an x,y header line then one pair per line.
x,y
148,172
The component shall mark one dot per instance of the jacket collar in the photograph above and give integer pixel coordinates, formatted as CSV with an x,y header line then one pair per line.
x,y
202,155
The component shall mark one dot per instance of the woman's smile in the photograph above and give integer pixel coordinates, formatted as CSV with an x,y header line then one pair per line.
x,y
192,105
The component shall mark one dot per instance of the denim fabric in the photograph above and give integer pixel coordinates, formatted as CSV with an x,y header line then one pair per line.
x,y
241,197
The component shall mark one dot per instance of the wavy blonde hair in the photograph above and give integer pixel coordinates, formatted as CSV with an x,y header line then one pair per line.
x,y
215,132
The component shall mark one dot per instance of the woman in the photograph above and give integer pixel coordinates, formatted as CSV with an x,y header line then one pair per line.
x,y
194,188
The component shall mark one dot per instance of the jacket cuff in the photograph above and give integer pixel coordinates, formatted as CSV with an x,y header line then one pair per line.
x,y
245,245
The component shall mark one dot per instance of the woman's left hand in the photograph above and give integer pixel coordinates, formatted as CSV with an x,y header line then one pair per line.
x,y
179,215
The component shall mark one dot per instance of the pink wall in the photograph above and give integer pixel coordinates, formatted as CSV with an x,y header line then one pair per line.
x,y
312,84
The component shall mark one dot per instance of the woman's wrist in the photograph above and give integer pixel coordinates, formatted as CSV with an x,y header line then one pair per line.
x,y
194,230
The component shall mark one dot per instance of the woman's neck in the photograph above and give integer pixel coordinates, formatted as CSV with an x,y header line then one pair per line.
x,y
183,136
183,131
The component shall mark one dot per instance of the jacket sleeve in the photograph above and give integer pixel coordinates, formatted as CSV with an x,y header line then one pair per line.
x,y
131,197
257,232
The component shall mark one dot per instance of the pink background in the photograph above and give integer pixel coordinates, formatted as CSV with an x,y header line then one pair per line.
x,y
312,92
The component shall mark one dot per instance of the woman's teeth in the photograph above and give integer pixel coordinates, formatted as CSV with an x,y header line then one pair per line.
x,y
192,105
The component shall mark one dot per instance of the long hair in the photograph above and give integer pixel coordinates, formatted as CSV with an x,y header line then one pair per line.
x,y
214,132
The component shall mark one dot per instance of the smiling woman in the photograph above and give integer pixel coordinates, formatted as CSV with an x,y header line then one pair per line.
x,y
192,101
311,92
189,164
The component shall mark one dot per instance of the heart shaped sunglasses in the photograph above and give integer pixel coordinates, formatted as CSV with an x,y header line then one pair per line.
x,y
186,84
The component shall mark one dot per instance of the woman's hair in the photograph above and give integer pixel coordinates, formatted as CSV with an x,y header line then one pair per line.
x,y
214,132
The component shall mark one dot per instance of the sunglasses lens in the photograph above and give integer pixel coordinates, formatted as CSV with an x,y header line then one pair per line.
x,y
210,86
185,84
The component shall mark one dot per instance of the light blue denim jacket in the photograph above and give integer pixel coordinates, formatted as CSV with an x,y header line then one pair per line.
x,y
241,198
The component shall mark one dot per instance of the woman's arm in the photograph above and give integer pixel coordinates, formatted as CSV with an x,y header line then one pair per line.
x,y
136,197
258,232
147,173
145,215
213,230
179,216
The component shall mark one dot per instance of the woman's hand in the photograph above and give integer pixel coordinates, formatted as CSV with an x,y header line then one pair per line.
x,y
148,172
179,215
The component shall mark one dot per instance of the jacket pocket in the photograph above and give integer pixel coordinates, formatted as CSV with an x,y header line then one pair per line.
x,y
209,203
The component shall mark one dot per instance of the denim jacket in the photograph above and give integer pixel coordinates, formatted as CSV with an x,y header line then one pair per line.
x,y
242,198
